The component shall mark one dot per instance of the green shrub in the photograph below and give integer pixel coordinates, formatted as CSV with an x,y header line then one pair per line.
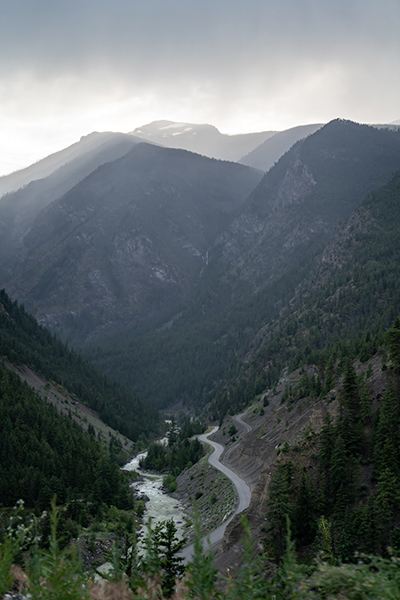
x,y
170,483
232,430
6,559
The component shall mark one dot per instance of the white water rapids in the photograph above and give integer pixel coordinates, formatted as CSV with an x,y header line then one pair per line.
x,y
160,506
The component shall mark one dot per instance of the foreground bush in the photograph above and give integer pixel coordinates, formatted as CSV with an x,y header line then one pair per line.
x,y
57,574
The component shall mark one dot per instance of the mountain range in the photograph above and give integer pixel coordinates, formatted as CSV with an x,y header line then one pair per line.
x,y
202,139
163,266
125,244
212,286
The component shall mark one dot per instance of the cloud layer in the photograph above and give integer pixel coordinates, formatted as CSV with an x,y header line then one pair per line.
x,y
70,68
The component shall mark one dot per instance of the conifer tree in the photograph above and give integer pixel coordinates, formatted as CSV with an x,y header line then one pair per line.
x,y
327,438
201,573
365,403
168,547
304,517
386,434
339,471
394,345
350,426
279,507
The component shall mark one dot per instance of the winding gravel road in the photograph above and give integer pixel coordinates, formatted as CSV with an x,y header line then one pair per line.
x,y
243,490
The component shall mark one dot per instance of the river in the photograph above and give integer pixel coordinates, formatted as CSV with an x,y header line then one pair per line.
x,y
160,506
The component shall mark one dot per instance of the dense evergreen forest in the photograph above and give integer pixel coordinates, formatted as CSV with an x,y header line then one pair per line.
x,y
341,311
43,454
333,496
23,341
343,496
180,452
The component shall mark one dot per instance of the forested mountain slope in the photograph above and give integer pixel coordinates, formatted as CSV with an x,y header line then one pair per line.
x,y
345,306
43,454
24,342
326,442
126,244
258,266
166,267
47,181
335,350
293,211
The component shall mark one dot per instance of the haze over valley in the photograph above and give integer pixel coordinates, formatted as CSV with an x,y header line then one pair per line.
x,y
200,246
132,259
208,287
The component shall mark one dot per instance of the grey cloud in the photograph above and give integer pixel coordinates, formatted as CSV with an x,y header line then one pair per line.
x,y
132,36
235,63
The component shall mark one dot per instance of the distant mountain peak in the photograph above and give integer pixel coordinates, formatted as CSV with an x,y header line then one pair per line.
x,y
167,129
201,138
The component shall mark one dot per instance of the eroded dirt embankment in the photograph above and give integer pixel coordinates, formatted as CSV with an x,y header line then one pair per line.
x,y
254,452
276,428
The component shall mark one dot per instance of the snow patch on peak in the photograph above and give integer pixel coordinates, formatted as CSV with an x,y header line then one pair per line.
x,y
173,126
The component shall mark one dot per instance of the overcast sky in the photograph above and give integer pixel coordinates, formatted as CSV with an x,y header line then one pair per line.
x,y
69,68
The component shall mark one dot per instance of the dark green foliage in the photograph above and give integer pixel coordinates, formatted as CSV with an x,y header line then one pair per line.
x,y
24,342
351,428
173,433
57,574
289,580
181,451
304,514
279,507
357,488
346,315
394,344
250,582
170,483
232,430
43,453
327,437
167,548
386,432
201,576
7,558
162,555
